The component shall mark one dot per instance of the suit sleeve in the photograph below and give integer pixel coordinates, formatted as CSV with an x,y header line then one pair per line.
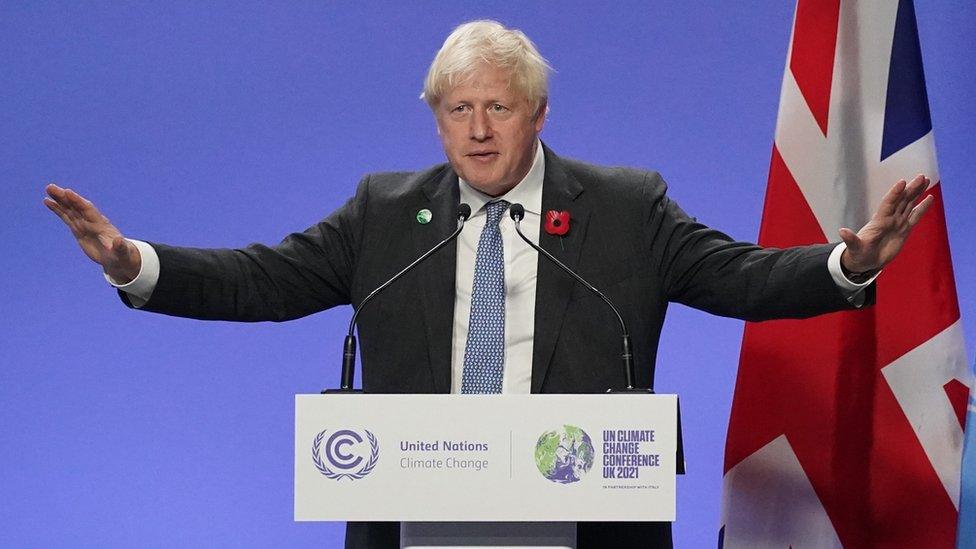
x,y
307,272
706,269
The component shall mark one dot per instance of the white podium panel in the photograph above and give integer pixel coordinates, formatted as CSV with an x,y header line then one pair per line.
x,y
485,457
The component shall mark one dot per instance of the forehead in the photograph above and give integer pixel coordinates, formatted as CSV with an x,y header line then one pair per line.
x,y
483,82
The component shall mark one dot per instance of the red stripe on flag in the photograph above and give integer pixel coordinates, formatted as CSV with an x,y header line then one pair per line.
x,y
812,59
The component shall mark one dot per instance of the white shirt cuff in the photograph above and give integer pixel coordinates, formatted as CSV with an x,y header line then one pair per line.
x,y
853,291
141,287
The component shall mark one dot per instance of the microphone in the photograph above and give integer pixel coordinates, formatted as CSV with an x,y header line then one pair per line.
x,y
349,345
517,212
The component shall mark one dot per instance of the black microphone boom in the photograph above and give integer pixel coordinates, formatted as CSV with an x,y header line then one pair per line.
x,y
517,212
349,345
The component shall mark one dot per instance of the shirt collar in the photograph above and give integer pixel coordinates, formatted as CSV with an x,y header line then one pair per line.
x,y
528,192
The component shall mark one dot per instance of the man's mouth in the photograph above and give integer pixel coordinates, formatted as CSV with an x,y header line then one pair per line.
x,y
483,156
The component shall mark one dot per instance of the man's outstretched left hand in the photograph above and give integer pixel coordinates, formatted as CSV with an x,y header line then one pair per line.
x,y
880,240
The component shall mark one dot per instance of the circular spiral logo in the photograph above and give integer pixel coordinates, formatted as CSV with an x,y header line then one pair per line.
x,y
347,453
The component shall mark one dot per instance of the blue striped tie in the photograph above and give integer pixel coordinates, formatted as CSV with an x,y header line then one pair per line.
x,y
484,354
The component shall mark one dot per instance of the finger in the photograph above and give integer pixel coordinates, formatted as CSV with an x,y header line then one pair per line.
x,y
57,194
916,188
904,206
918,184
53,206
57,209
91,213
53,190
890,202
73,225
909,210
919,211
68,204
78,201
907,199
83,207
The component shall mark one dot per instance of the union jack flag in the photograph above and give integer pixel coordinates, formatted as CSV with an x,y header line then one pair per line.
x,y
846,429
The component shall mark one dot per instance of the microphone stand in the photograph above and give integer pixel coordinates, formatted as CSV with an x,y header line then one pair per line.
x,y
349,345
517,212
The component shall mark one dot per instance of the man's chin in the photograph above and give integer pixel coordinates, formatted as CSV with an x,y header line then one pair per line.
x,y
489,187
479,180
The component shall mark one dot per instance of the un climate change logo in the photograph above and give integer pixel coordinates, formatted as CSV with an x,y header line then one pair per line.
x,y
346,451
564,455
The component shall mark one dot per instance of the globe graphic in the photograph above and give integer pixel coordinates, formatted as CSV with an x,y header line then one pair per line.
x,y
564,455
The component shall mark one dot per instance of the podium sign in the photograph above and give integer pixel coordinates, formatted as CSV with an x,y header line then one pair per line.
x,y
459,458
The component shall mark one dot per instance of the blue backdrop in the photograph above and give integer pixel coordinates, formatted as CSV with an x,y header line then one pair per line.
x,y
229,123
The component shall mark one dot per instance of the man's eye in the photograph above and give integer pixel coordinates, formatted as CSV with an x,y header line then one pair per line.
x,y
498,108
460,108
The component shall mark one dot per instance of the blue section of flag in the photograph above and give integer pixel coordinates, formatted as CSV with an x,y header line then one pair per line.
x,y
907,107
966,537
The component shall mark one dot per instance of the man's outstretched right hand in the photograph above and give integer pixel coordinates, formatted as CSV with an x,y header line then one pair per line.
x,y
99,239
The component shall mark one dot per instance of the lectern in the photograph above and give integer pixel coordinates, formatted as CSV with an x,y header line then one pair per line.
x,y
444,465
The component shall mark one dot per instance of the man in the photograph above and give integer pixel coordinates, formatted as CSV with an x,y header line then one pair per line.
x,y
495,316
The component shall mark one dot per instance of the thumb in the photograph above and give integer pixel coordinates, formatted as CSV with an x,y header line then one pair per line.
x,y
120,246
122,249
126,261
850,238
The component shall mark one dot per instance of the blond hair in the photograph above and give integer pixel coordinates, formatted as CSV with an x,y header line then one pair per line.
x,y
487,41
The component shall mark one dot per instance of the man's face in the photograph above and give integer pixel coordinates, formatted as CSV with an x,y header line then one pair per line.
x,y
489,131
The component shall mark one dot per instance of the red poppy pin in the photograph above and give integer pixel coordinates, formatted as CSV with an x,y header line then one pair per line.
x,y
557,223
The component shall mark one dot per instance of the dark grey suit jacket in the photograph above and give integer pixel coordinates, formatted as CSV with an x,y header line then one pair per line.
x,y
626,238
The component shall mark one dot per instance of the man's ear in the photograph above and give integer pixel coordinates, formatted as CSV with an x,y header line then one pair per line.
x,y
437,121
540,115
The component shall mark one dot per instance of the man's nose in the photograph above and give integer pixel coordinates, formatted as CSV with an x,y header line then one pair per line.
x,y
480,126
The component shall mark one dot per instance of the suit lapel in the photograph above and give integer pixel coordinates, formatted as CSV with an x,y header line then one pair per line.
x,y
441,197
560,191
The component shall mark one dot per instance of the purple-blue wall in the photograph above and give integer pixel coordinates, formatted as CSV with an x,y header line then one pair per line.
x,y
239,122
